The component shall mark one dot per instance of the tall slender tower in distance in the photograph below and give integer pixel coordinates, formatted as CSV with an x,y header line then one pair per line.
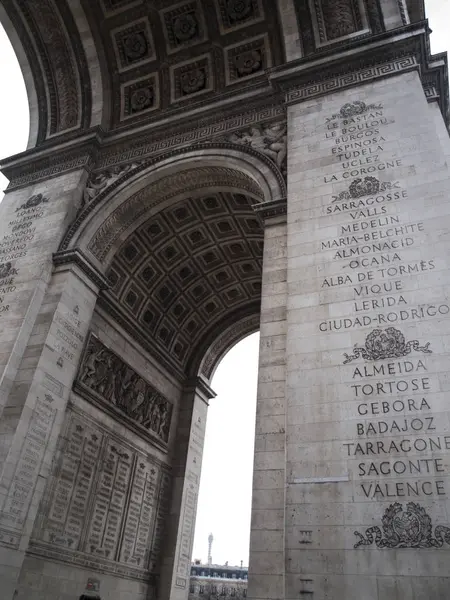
x,y
210,541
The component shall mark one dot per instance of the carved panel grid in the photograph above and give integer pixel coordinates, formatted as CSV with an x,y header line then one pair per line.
x,y
235,14
190,49
105,503
188,267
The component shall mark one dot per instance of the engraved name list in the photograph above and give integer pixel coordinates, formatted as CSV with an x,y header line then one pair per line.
x,y
375,264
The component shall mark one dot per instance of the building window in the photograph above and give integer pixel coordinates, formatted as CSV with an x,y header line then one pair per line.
x,y
233,591
201,589
214,589
192,589
244,593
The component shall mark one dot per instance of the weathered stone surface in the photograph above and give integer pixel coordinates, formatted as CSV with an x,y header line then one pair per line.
x,y
150,226
368,427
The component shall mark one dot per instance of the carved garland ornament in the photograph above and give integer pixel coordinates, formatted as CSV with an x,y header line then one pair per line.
x,y
364,187
117,384
33,202
337,18
389,343
410,528
6,270
353,109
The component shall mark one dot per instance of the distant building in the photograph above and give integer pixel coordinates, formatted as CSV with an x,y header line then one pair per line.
x,y
217,581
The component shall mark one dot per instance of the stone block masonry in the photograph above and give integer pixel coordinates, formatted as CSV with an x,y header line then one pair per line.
x,y
368,435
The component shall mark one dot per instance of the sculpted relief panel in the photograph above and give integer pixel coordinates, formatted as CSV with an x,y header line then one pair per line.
x,y
107,380
105,505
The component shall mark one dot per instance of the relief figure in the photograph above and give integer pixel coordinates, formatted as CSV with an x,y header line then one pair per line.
x,y
103,372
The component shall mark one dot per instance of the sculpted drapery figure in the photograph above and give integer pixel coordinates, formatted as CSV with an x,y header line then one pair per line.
x,y
270,140
104,373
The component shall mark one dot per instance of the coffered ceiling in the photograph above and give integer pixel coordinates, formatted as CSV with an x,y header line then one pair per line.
x,y
191,267
165,55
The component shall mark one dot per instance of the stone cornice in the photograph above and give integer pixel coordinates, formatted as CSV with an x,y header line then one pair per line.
x,y
76,257
404,49
200,385
370,50
98,150
52,160
377,56
269,210
163,138
346,80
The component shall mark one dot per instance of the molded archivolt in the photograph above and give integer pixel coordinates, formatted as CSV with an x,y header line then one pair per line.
x,y
210,359
116,63
59,64
181,246
107,219
27,75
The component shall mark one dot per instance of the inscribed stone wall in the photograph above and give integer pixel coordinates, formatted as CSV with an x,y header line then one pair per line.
x,y
30,230
368,346
106,504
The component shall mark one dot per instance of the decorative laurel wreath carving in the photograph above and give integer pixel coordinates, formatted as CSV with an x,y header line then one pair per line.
x,y
405,529
6,270
353,109
364,187
32,202
389,343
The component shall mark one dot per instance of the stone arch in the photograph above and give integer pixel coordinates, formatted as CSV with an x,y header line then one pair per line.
x,y
60,66
146,196
27,74
162,179
210,358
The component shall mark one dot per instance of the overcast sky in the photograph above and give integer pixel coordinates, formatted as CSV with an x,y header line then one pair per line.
x,y
225,491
